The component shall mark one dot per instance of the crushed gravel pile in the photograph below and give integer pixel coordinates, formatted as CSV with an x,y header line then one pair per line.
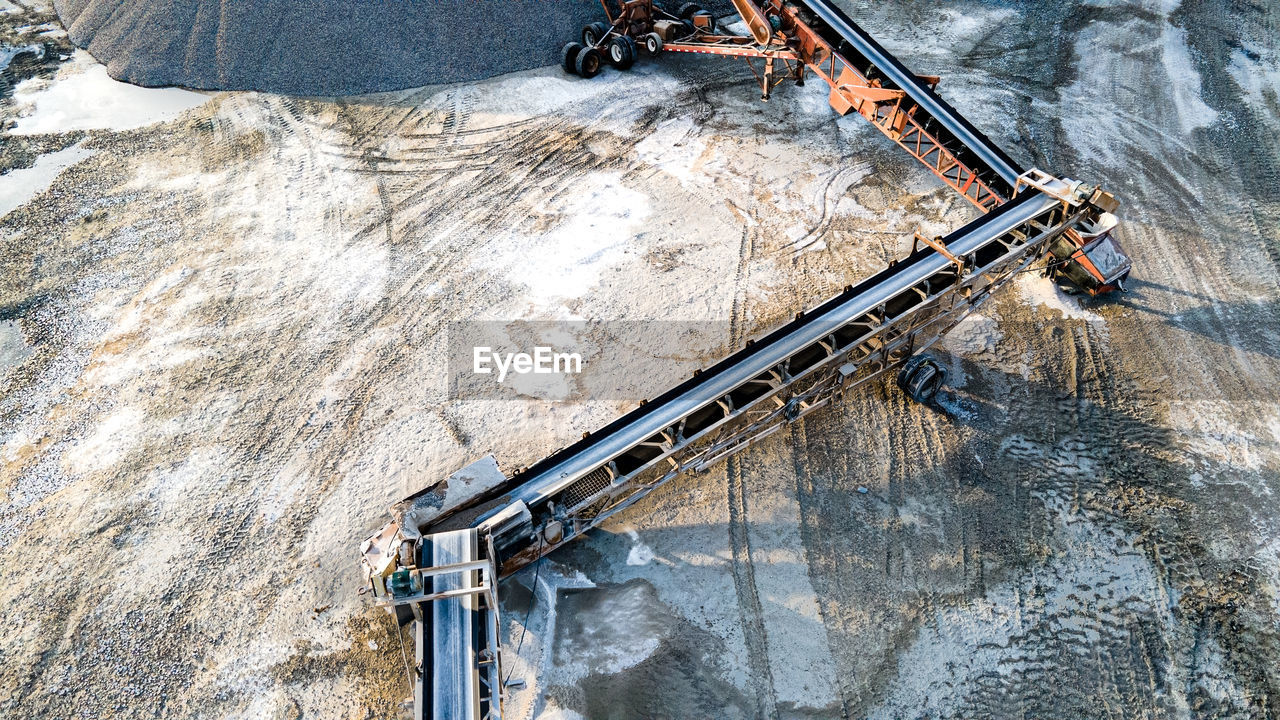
x,y
322,47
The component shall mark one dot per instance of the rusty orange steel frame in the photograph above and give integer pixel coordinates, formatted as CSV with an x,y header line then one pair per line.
x,y
799,47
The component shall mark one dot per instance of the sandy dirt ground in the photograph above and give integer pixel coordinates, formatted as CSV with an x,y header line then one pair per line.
x,y
222,355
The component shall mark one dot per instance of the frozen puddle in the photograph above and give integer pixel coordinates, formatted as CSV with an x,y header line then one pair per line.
x,y
84,97
17,187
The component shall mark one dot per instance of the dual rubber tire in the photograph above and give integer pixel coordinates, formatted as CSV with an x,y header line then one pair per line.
x,y
687,10
622,52
592,34
569,57
578,60
588,63
921,378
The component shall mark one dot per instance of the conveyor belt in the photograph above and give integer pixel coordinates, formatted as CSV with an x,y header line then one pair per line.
x,y
562,469
893,74
810,362
447,644
869,329
847,341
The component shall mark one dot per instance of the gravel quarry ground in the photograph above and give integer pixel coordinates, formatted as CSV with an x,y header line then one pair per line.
x,y
223,323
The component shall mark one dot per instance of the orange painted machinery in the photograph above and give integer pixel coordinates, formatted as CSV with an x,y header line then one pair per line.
x,y
790,40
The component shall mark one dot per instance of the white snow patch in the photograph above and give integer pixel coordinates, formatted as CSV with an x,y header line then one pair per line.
x,y
1045,292
593,232
1259,79
49,30
675,147
17,187
17,443
1185,84
107,444
640,554
7,54
1111,56
1221,432
84,97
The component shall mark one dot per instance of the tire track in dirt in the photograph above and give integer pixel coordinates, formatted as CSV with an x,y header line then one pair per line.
x,y
1086,440
827,200
1219,594
838,537
744,581
530,164
316,451
451,195
1090,655
818,557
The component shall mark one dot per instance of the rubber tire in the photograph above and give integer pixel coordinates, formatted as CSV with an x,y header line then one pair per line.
x,y
588,63
909,367
622,53
688,9
591,34
569,57
921,378
653,44
791,410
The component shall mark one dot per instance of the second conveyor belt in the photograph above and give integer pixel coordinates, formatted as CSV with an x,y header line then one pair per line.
x,y
882,65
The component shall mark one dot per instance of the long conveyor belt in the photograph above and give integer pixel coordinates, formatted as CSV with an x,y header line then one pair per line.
x,y
437,563
775,380
812,361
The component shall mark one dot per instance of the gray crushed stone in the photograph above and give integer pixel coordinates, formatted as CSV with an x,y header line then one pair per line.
x,y
323,47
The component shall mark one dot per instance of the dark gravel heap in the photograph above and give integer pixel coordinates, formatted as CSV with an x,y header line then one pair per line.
x,y
322,47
